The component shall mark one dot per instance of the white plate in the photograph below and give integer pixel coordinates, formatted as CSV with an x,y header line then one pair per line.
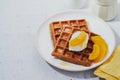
x,y
95,24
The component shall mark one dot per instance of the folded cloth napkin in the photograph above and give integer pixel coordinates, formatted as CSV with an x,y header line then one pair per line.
x,y
110,70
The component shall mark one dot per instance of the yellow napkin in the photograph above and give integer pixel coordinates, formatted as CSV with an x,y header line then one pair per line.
x,y
110,70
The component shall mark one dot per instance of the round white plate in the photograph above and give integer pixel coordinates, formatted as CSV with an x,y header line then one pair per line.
x,y
95,24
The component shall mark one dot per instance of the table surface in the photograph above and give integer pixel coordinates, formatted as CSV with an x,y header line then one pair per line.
x,y
19,21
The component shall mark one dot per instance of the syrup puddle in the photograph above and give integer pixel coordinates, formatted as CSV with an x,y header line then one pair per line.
x,y
64,63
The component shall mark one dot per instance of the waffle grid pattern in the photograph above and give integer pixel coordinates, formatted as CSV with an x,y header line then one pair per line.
x,y
61,48
56,27
61,32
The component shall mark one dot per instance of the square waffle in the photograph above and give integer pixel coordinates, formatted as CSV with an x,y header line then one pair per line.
x,y
61,50
57,26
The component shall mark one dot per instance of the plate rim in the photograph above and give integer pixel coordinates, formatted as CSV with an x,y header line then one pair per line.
x,y
88,68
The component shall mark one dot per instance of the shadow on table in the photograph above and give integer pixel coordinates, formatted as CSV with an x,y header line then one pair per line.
x,y
76,74
117,18
87,73
83,74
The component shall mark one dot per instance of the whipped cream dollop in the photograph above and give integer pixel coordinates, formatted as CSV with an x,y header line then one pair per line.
x,y
78,41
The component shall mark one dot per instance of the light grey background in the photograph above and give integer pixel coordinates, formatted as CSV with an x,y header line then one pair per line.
x,y
19,21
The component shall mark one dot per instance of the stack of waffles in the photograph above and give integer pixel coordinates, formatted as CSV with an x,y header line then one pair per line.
x,y
61,32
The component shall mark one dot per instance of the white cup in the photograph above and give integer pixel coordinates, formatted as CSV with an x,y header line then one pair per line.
x,y
105,9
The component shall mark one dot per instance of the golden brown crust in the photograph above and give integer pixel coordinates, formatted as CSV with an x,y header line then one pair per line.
x,y
57,26
61,50
52,34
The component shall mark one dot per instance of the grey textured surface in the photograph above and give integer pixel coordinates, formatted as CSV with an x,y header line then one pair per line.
x,y
19,21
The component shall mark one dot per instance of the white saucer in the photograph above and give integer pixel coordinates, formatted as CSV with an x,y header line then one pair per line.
x,y
95,24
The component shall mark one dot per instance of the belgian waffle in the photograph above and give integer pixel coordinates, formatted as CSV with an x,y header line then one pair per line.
x,y
57,26
61,50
